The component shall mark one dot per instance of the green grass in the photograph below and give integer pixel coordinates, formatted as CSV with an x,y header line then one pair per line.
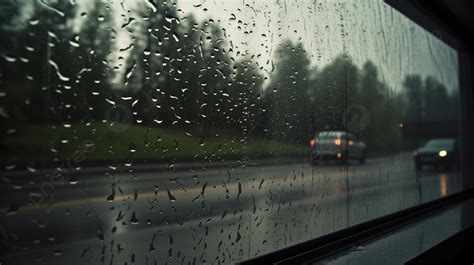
x,y
138,142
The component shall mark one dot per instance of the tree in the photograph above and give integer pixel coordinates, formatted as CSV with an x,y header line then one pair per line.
x,y
182,70
246,97
288,94
414,98
151,63
335,88
56,88
383,131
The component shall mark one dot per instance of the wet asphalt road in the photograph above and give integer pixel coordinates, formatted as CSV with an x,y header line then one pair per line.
x,y
213,216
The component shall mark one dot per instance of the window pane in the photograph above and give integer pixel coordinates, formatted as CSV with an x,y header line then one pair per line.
x,y
191,132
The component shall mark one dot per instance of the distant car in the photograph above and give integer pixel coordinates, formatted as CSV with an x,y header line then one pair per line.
x,y
438,152
337,145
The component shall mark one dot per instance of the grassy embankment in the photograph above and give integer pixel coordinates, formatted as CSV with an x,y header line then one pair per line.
x,y
137,142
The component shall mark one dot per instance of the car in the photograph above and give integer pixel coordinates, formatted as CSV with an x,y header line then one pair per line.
x,y
337,145
439,152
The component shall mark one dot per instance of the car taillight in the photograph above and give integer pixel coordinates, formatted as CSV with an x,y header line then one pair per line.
x,y
337,142
312,142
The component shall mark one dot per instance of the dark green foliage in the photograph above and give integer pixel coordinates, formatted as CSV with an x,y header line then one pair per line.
x,y
56,69
428,101
288,94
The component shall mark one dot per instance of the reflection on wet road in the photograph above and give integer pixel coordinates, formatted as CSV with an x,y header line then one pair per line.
x,y
214,216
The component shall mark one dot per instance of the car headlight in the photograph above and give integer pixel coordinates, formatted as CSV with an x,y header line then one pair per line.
x,y
443,153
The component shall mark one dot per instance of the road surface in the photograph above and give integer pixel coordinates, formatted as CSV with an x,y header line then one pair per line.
x,y
213,215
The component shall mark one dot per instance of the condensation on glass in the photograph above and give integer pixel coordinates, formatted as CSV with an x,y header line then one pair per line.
x,y
191,132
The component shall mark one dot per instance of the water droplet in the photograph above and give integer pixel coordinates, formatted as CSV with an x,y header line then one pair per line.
x,y
132,148
203,189
175,37
260,185
151,4
238,237
134,220
84,252
74,44
254,204
9,59
170,196
58,73
119,216
239,190
152,244
224,214
111,197
100,235
73,180
34,22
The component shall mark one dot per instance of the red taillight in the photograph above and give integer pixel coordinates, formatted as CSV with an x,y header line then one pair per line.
x,y
312,142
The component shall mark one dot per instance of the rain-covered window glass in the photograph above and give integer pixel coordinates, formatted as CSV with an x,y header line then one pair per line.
x,y
191,132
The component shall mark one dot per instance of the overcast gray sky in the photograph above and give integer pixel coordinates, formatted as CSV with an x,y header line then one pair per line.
x,y
365,29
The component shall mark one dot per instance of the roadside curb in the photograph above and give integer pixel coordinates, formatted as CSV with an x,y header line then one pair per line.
x,y
148,166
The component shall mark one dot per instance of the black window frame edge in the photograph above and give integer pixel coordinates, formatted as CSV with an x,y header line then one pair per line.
x,y
457,249
442,24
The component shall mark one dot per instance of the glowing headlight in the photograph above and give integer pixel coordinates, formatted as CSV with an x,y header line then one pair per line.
x,y
443,153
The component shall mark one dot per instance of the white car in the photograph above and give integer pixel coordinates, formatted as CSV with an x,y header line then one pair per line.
x,y
337,145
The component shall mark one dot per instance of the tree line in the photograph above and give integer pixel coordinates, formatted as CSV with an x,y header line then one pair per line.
x,y
64,64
